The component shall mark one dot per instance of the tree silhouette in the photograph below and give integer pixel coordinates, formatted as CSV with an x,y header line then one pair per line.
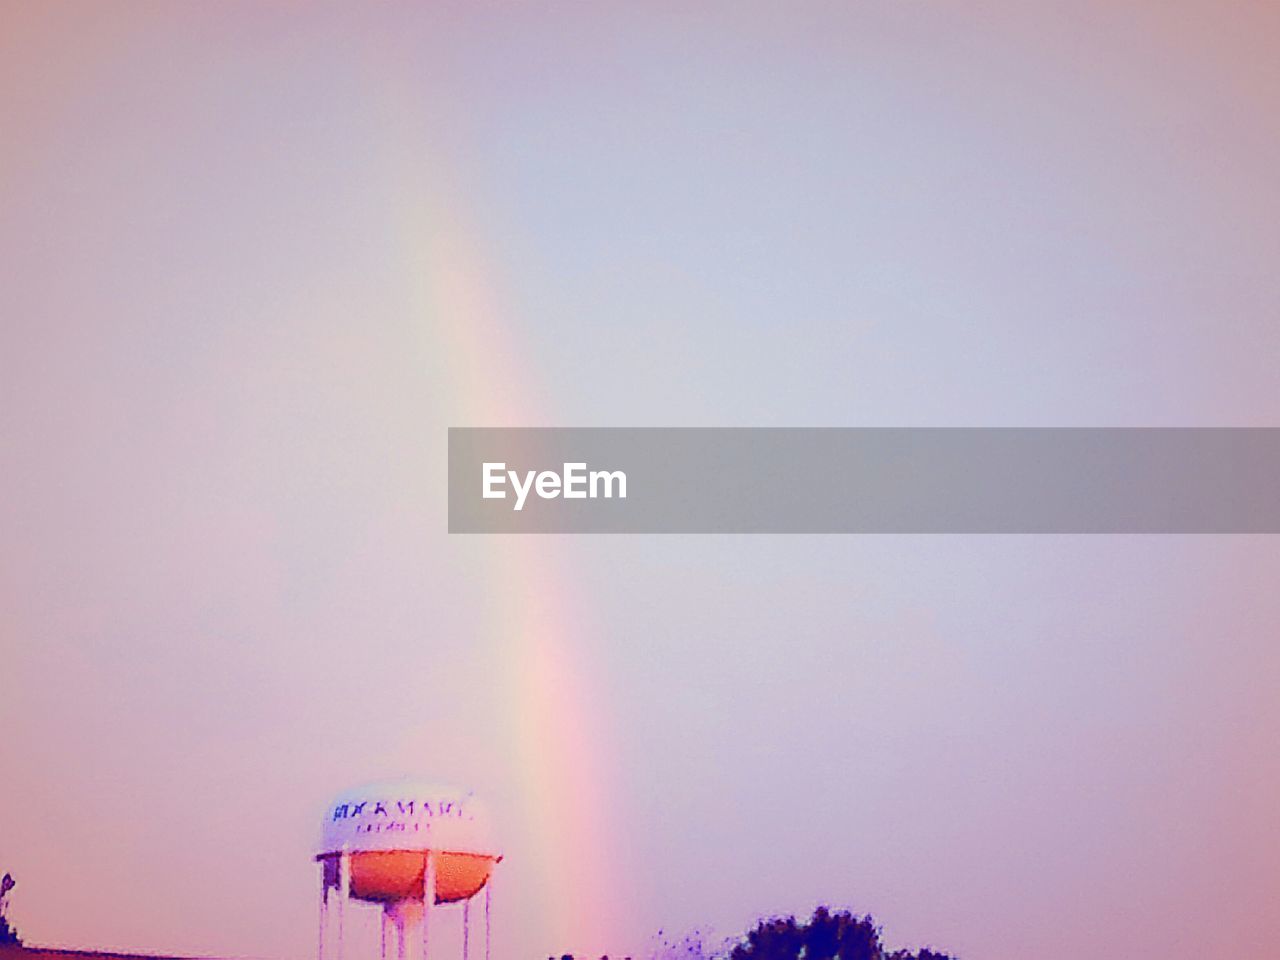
x,y
826,936
8,935
779,938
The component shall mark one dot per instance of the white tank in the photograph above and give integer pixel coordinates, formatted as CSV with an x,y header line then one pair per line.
x,y
387,828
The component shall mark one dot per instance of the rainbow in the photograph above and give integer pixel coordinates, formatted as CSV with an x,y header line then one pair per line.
x,y
557,730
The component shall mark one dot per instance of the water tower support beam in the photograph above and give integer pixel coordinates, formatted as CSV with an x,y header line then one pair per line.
x,y
344,893
428,901
466,929
324,909
488,905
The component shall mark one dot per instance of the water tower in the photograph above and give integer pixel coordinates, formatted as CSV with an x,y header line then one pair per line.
x,y
409,849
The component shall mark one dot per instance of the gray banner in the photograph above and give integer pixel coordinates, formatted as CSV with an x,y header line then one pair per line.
x,y
889,480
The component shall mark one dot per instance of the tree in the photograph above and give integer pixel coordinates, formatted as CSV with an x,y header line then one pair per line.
x,y
825,936
8,935
775,939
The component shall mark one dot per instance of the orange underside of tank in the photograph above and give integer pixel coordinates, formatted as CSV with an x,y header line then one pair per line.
x,y
397,875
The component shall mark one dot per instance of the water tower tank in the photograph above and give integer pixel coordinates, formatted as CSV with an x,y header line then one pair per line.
x,y
388,828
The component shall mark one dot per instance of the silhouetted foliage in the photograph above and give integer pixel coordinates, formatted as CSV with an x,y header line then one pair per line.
x,y
691,946
827,935
8,935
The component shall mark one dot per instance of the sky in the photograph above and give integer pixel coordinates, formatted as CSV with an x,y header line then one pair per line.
x,y
255,259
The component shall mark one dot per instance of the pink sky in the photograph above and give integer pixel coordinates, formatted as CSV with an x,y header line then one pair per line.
x,y
256,260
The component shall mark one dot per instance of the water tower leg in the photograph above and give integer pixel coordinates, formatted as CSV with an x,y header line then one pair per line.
x,y
466,929
400,934
324,911
344,893
488,906
383,926
428,901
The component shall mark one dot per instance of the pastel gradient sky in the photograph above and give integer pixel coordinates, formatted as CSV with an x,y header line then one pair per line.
x,y
255,259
